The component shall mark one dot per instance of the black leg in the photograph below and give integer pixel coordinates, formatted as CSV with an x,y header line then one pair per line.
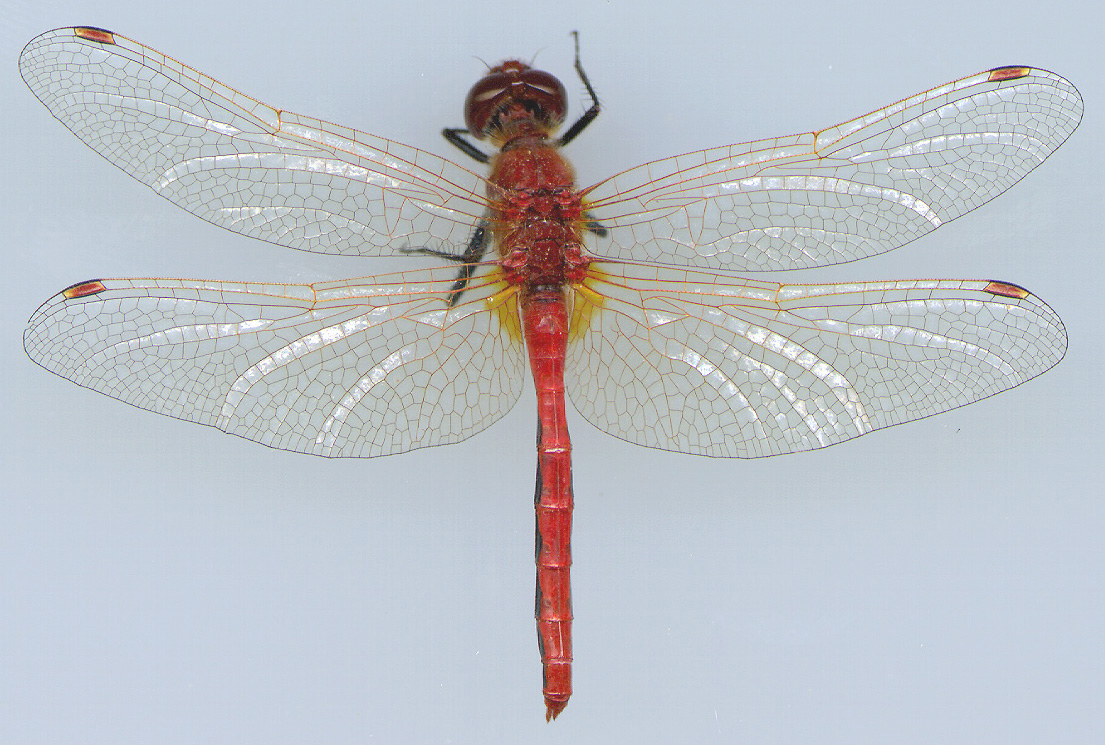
x,y
470,259
591,113
594,226
453,135
473,255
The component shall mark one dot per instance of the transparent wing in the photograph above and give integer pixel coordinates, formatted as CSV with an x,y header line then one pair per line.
x,y
840,194
700,363
242,165
356,368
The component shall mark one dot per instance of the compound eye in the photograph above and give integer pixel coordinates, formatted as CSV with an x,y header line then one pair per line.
x,y
484,100
548,93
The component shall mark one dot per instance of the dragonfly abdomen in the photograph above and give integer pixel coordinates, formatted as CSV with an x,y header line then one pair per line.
x,y
545,320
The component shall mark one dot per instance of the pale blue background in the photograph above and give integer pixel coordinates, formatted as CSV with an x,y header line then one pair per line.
x,y
939,582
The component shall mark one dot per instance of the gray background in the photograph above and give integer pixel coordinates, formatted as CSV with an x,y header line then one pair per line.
x,y
936,582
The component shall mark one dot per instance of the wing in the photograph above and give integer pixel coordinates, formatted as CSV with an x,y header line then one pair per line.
x,y
840,194
356,368
242,165
700,363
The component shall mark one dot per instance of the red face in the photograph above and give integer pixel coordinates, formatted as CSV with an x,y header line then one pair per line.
x,y
512,92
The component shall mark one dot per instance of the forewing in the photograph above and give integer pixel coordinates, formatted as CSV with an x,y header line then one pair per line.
x,y
719,366
840,194
243,165
356,368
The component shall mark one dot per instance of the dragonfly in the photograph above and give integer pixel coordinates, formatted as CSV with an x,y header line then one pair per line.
x,y
623,295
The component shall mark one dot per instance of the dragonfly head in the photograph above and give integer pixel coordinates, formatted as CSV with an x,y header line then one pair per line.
x,y
514,98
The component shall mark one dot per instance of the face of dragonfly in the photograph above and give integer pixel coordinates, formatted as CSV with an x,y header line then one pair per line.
x,y
510,93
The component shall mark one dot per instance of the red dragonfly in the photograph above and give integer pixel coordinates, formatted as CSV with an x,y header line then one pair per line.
x,y
601,286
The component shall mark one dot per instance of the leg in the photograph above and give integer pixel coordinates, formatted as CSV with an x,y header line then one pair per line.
x,y
591,113
453,135
470,259
594,226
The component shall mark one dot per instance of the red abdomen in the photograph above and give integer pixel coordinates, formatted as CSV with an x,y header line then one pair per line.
x,y
545,320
